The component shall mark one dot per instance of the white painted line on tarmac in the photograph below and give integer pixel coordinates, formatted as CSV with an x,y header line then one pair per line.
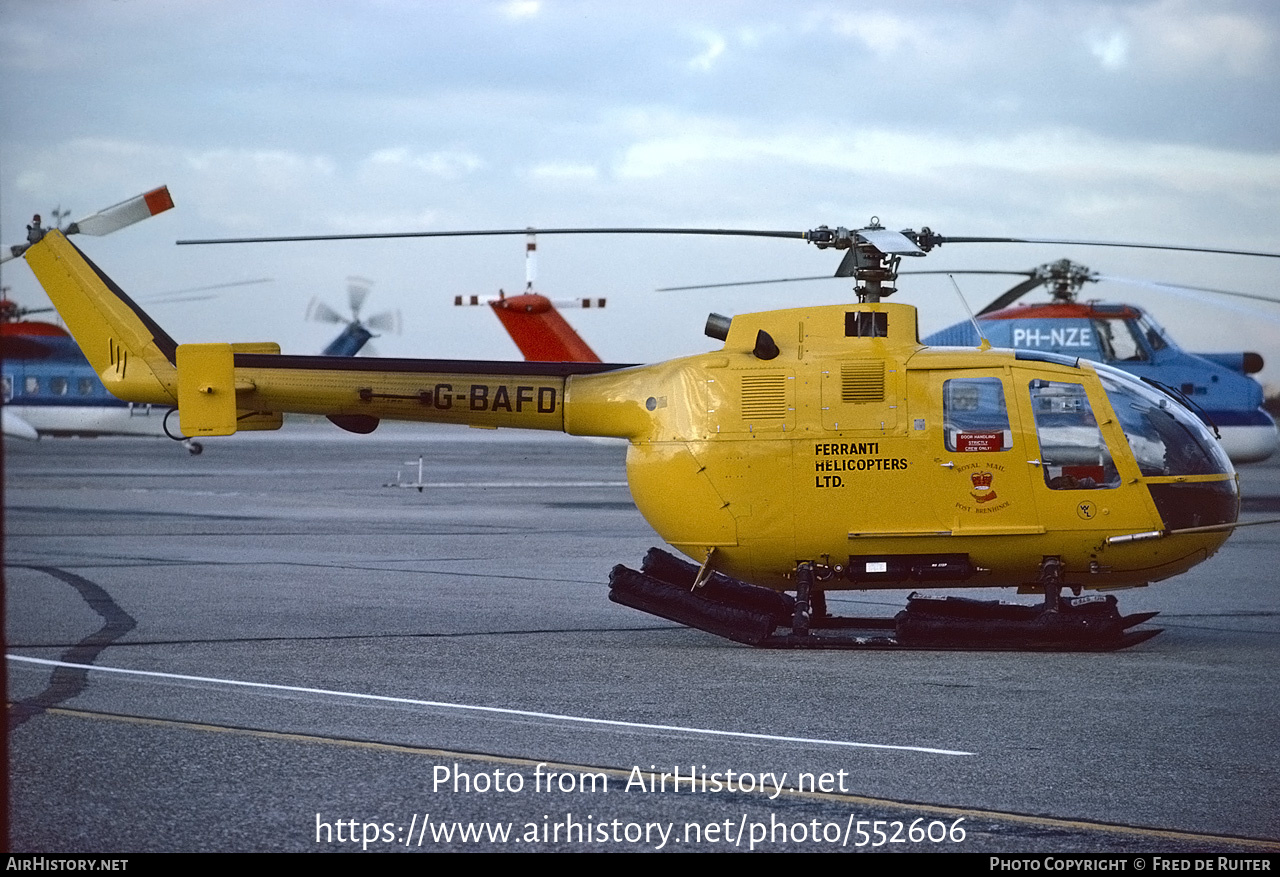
x,y
558,717
540,485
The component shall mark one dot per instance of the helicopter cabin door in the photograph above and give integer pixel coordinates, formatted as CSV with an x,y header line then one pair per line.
x,y
1076,478
978,465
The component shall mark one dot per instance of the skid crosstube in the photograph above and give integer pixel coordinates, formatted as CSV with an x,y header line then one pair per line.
x,y
752,615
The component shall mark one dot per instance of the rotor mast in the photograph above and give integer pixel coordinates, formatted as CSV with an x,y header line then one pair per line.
x,y
1065,279
874,254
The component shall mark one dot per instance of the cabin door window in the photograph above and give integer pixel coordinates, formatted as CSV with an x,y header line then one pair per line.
x,y
1073,454
975,415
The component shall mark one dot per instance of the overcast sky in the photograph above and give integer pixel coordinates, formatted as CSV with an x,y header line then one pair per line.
x,y
1132,121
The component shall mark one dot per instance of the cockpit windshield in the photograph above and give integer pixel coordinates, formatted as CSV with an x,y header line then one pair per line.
x,y
1166,438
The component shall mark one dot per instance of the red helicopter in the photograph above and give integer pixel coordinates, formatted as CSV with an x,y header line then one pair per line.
x,y
532,321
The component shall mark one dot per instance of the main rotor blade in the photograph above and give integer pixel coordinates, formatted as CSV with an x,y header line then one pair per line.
x,y
177,299
1160,284
747,283
1013,294
1248,312
824,277
972,271
945,239
164,295
726,232
22,312
821,235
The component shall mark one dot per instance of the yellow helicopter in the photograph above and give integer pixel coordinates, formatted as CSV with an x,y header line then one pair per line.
x,y
820,449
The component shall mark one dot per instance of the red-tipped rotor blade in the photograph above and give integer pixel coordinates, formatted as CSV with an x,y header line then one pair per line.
x,y
124,214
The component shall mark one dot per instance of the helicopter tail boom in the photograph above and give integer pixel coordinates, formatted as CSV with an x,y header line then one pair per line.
x,y
136,360
221,389
357,393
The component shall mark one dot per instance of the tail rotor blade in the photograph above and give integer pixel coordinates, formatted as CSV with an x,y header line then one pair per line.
x,y
124,214
579,302
387,321
114,218
530,261
357,292
322,313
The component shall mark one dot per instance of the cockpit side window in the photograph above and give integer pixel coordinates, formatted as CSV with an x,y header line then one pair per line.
x,y
1120,341
1150,330
1073,454
975,415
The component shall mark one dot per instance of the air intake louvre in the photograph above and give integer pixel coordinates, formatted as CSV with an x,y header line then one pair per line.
x,y
862,382
764,397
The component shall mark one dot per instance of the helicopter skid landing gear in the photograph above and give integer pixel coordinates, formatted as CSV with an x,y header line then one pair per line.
x,y
753,616
803,614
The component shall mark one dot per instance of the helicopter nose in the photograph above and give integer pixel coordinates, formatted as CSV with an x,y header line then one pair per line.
x,y
1197,504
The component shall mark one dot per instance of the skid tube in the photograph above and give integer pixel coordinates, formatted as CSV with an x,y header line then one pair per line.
x,y
754,616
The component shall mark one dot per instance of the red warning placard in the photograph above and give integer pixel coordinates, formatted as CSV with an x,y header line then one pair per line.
x,y
980,441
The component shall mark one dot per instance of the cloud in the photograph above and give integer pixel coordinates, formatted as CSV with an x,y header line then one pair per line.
x,y
276,168
516,10
884,34
357,222
1112,50
715,48
676,144
565,171
28,49
446,164
1178,37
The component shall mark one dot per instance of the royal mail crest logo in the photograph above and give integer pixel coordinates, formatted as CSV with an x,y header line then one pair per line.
x,y
982,490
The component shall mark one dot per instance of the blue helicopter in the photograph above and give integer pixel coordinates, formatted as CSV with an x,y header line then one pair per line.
x,y
1215,385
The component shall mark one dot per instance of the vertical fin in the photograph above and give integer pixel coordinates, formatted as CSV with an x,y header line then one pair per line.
x,y
133,356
